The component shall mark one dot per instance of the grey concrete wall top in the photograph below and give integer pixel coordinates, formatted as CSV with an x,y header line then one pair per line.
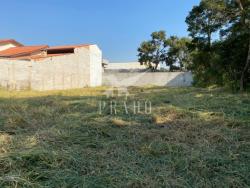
x,y
175,79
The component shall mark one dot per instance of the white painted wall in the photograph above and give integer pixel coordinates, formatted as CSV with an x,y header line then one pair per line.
x,y
130,66
127,65
95,66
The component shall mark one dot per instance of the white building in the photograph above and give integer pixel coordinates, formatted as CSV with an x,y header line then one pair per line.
x,y
127,67
49,68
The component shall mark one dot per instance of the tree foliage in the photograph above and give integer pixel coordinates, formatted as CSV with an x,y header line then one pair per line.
x,y
203,21
218,51
153,52
224,61
178,55
172,51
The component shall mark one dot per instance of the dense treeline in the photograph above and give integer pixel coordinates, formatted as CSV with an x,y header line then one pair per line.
x,y
217,51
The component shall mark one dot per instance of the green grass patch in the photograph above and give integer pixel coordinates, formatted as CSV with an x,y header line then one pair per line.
x,y
190,138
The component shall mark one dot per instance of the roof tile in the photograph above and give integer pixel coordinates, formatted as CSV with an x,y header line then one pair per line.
x,y
4,41
21,51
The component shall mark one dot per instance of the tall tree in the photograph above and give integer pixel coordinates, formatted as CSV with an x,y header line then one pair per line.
x,y
231,18
153,52
244,8
203,22
178,55
237,24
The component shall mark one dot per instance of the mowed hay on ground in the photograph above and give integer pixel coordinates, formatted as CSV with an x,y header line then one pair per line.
x,y
191,138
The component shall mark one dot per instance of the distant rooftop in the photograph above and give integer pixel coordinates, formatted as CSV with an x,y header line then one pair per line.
x,y
35,52
6,41
21,51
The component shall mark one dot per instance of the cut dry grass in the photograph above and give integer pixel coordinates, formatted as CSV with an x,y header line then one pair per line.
x,y
193,138
119,122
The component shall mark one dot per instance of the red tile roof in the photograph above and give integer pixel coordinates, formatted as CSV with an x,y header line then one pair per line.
x,y
6,41
22,51
32,52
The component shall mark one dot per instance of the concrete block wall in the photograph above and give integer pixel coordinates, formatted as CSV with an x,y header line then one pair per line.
x,y
78,70
62,72
15,74
124,79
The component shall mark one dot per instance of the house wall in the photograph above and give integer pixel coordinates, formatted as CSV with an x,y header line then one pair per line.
x,y
95,66
78,70
6,46
62,72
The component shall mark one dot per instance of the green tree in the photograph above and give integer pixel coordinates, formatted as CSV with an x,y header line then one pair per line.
x,y
234,47
172,51
153,52
225,61
203,21
244,21
178,55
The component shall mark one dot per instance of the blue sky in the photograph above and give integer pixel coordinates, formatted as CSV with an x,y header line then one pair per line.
x,y
117,26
